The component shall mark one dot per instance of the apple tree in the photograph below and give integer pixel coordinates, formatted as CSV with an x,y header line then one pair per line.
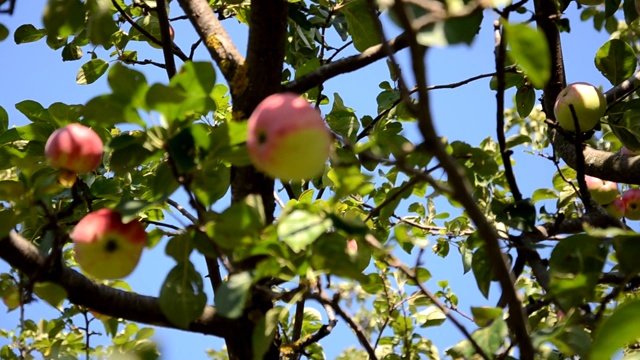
x,y
289,259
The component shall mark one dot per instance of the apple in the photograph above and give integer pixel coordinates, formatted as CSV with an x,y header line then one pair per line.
x,y
287,138
590,2
105,247
352,247
12,299
602,191
616,208
587,100
631,199
74,148
159,37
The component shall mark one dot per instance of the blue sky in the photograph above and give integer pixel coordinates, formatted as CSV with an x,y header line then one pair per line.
x,y
34,72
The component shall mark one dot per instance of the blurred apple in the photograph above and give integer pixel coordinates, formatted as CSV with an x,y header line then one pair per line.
x,y
105,247
631,199
616,208
602,191
352,247
588,102
74,149
287,138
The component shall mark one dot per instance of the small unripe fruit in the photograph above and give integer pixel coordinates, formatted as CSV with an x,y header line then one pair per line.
x,y
74,148
105,247
287,138
602,191
588,102
631,199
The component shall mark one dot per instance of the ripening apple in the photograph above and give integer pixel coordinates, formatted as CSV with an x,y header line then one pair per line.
x,y
616,208
287,138
602,191
631,199
587,100
352,247
105,247
74,148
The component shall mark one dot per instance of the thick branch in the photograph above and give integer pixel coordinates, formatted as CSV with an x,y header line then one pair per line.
x,y
345,65
215,37
24,256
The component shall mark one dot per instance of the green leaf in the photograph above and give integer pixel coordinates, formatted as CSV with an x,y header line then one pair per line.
x,y
4,120
100,23
237,224
484,315
182,297
265,331
525,100
33,111
530,50
330,254
301,228
4,32
232,295
543,194
616,331
431,316
181,148
180,247
167,100
627,252
360,24
482,270
574,267
8,220
108,110
616,61
91,71
71,52
455,30
52,293
63,18
11,190
28,33
129,86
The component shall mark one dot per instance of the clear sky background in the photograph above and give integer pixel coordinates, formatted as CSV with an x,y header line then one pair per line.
x,y
35,72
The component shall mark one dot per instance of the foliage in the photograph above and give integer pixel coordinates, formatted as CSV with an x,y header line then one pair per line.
x,y
272,268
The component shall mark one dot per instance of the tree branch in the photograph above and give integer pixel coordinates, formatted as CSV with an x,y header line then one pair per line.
x,y
216,39
24,256
345,65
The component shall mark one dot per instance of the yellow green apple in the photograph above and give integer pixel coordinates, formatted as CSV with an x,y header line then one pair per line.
x,y
602,191
588,102
105,247
287,138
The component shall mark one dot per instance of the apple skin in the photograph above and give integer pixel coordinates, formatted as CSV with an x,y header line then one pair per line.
x,y
287,138
105,247
588,102
631,199
602,191
12,300
616,208
74,148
